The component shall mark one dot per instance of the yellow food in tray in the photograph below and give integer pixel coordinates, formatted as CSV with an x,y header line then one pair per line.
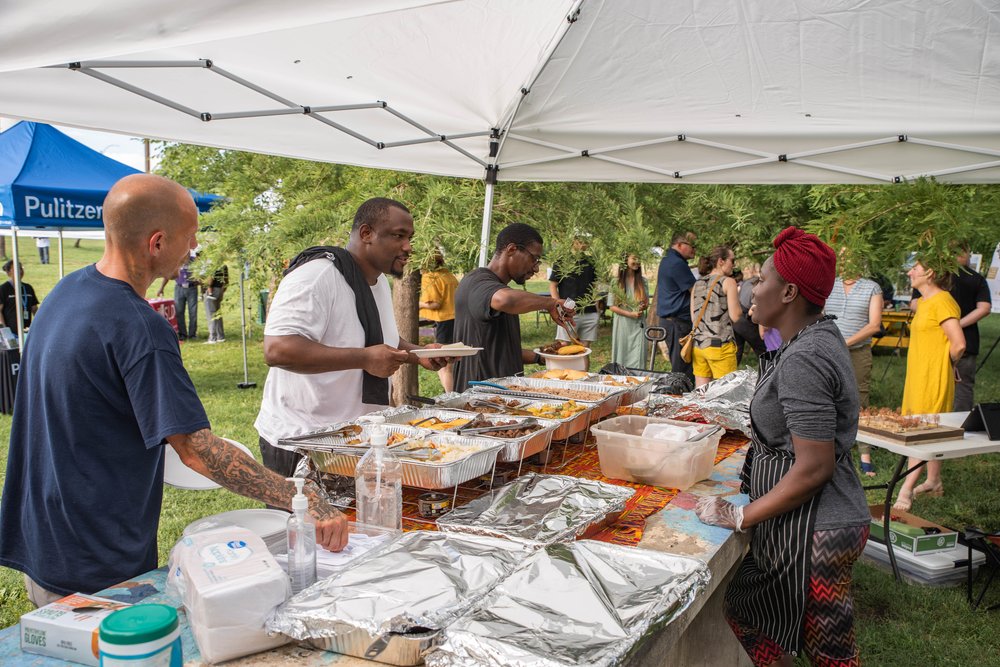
x,y
436,424
560,374
556,411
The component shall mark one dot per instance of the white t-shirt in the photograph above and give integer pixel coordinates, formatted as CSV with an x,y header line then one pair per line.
x,y
314,301
42,241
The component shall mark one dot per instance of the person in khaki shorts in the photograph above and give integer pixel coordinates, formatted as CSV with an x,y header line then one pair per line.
x,y
857,304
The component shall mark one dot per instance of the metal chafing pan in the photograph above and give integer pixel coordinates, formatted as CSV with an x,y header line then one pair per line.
x,y
633,392
541,389
402,649
331,457
565,428
443,414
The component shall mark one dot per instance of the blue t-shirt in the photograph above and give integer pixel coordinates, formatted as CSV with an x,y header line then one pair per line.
x,y
100,388
673,285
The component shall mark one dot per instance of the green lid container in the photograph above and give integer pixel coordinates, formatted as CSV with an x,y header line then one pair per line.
x,y
139,624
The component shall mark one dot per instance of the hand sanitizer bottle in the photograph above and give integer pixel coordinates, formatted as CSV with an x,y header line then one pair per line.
x,y
301,541
378,481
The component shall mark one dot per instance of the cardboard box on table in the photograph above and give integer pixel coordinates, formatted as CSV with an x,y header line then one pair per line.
x,y
906,532
67,628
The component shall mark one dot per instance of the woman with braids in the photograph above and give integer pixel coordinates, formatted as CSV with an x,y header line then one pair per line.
x,y
936,344
807,517
715,305
628,300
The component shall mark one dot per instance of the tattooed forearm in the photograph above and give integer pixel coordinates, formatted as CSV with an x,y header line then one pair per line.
x,y
235,470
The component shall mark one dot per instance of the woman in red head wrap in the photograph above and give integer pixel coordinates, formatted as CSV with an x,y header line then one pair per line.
x,y
808,516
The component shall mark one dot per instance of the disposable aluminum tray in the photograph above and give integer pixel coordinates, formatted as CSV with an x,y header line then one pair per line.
x,y
325,440
391,649
633,392
612,396
421,474
539,509
566,428
444,414
514,449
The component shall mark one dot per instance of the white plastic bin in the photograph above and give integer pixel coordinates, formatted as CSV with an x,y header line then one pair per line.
x,y
624,454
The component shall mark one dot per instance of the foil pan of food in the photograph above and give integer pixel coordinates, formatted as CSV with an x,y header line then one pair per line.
x,y
391,605
433,419
573,417
522,436
540,509
725,402
430,460
607,399
393,648
636,387
582,603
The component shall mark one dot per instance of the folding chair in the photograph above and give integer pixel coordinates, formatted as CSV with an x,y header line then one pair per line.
x,y
988,544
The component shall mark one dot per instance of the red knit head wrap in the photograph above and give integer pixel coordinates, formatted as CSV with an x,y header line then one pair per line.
x,y
802,259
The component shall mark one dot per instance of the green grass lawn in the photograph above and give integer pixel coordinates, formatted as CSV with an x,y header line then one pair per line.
x,y
897,624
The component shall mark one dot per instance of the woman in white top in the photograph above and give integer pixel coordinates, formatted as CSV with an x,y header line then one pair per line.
x,y
857,305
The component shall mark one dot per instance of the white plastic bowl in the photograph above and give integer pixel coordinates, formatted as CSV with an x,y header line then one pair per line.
x,y
576,362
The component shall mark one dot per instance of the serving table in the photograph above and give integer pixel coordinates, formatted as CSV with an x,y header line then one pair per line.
x,y
699,636
969,444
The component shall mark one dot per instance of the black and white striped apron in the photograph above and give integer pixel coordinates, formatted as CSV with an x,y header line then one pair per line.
x,y
769,590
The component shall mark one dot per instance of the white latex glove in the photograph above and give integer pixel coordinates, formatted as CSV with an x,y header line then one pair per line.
x,y
715,511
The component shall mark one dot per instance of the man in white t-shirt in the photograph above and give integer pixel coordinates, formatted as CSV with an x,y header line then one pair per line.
x,y
322,370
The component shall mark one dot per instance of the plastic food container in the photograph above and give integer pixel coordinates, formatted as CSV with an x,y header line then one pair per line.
x,y
144,635
625,454
576,362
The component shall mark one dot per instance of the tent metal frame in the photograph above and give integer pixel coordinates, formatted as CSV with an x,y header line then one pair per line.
x,y
501,133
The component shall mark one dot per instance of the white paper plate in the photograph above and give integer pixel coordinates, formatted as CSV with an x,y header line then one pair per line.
x,y
268,524
436,352
175,473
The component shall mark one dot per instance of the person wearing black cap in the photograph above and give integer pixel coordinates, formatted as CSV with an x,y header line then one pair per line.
x,y
8,302
807,516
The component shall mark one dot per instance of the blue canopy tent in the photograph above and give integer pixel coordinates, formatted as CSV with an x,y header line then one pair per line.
x,y
51,181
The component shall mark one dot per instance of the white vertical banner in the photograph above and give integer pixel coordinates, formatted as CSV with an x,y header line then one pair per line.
x,y
993,279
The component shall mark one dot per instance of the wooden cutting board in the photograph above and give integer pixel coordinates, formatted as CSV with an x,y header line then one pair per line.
x,y
921,437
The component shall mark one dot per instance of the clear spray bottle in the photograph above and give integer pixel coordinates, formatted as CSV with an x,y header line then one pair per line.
x,y
301,540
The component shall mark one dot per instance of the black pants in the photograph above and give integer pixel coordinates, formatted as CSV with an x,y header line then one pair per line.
x,y
279,460
677,328
746,332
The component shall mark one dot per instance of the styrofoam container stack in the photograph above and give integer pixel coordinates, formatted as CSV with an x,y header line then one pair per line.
x,y
681,459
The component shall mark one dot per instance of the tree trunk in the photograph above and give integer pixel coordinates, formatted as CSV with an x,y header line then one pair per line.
x,y
405,305
77,244
3,247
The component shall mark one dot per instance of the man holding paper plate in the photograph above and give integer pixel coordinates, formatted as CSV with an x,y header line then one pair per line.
x,y
331,338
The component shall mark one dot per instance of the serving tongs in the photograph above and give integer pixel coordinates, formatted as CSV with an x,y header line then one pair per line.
x,y
492,428
424,453
483,403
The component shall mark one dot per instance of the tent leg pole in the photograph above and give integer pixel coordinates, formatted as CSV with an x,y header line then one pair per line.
x,y
484,239
62,271
246,384
18,307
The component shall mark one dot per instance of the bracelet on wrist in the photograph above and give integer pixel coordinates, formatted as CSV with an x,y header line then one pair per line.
x,y
538,359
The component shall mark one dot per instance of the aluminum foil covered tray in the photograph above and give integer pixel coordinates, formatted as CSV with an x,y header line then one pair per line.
x,y
414,586
583,603
540,509
725,401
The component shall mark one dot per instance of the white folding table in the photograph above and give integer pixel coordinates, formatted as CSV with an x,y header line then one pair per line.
x,y
969,444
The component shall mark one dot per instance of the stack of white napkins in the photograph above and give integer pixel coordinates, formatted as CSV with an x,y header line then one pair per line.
x,y
230,584
331,562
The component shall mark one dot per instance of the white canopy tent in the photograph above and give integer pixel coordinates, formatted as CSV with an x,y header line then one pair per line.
x,y
707,91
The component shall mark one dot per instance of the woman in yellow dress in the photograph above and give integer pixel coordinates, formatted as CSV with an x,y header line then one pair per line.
x,y
936,344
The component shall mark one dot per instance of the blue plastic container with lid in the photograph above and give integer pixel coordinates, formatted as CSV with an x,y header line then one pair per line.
x,y
144,635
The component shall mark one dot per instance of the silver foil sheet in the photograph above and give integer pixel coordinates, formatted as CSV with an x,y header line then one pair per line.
x,y
725,401
421,581
583,603
539,509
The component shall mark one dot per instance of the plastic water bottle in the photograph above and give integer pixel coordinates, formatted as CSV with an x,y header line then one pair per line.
x,y
301,541
378,481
